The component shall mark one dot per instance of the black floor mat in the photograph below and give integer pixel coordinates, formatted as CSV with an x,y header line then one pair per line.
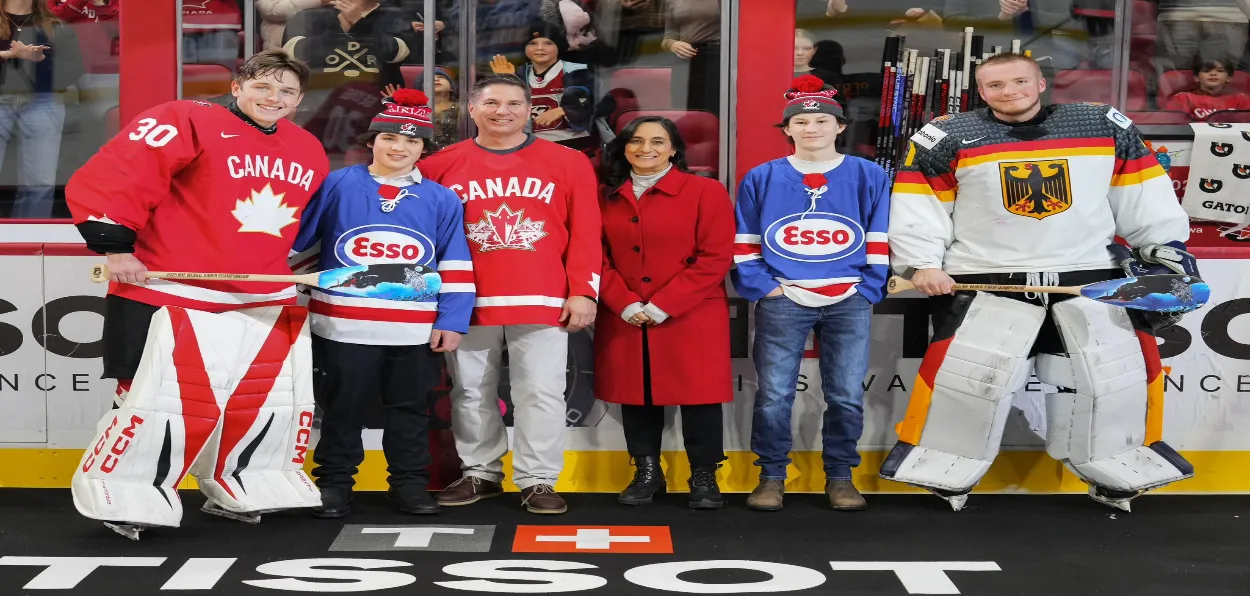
x,y
998,545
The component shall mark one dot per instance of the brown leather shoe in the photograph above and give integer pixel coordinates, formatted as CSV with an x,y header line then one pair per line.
x,y
768,496
843,496
468,490
541,498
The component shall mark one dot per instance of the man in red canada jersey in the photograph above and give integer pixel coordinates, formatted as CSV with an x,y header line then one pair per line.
x,y
532,219
196,187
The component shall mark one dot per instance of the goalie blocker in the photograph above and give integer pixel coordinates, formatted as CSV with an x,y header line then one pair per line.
x,y
1104,423
225,397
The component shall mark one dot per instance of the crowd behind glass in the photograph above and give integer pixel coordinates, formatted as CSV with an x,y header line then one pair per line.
x,y
59,67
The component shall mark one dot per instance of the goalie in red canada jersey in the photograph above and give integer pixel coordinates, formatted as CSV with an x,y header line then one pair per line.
x,y
214,377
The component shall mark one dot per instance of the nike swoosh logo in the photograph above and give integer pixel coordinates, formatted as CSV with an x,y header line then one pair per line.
x,y
969,142
226,136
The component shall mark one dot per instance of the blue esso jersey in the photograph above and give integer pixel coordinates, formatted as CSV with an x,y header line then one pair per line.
x,y
820,237
353,220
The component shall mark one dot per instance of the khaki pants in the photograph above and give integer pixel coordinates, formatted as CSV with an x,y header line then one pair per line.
x,y
537,360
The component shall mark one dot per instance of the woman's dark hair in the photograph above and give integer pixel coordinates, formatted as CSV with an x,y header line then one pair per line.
x,y
615,169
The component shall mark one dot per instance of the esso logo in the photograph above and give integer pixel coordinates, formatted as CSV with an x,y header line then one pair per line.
x,y
372,245
814,237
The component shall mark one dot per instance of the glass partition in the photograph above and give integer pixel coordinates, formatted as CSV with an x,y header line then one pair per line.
x,y
59,95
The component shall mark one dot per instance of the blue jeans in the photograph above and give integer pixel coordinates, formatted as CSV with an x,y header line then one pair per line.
x,y
781,330
37,120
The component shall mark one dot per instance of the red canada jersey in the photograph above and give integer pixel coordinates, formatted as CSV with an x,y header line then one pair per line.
x,y
547,93
205,192
1199,105
532,221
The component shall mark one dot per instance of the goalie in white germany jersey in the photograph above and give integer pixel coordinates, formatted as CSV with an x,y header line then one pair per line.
x,y
1025,193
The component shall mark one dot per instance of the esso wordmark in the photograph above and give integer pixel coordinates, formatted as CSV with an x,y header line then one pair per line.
x,y
373,245
814,237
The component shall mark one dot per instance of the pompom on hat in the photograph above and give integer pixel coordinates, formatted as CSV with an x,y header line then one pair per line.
x,y
406,113
809,94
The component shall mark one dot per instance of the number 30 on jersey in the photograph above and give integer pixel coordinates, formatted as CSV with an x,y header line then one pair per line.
x,y
155,135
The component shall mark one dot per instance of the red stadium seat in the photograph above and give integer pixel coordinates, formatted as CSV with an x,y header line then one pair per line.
x,y
641,88
204,81
1096,85
1158,118
1230,116
413,76
700,130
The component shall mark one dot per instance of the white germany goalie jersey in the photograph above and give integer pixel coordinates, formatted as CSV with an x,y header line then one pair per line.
x,y
977,195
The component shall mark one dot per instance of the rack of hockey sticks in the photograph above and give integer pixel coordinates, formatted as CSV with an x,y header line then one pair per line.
x,y
916,89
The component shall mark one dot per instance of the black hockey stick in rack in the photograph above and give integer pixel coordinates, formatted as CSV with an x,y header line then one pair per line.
x,y
916,89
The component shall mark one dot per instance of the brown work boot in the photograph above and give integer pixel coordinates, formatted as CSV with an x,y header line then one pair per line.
x,y
541,498
468,490
767,496
843,496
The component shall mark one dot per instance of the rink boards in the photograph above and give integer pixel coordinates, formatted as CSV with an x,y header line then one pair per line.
x,y
52,396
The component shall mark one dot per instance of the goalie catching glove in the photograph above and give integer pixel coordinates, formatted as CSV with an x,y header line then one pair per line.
x,y
1156,259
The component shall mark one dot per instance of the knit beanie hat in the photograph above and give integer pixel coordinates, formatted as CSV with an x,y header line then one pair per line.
x,y
810,95
542,28
406,113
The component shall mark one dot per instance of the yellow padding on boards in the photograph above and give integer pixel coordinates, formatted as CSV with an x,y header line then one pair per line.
x,y
609,472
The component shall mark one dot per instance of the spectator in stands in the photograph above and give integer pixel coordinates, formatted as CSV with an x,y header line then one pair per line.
x,y
804,52
446,109
629,24
72,11
563,107
210,32
40,60
414,10
1058,39
692,33
275,13
1205,30
662,332
1212,92
355,48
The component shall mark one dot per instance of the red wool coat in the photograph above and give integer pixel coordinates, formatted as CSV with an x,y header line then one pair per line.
x,y
673,248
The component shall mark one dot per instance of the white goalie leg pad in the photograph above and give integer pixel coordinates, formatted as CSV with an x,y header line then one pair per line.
x,y
1099,431
262,373
144,448
955,420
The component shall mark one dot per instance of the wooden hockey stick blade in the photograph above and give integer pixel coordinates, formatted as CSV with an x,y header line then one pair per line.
x,y
387,281
1157,293
898,284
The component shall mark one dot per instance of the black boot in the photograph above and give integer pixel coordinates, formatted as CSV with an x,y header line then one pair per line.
x,y
648,481
704,492
413,498
335,503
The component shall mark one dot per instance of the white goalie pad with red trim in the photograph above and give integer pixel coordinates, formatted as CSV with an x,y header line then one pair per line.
x,y
226,397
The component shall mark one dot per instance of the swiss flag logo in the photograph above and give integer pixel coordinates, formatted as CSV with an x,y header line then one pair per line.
x,y
593,539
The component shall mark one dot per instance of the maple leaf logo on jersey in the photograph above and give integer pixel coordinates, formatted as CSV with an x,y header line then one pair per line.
x,y
505,228
264,212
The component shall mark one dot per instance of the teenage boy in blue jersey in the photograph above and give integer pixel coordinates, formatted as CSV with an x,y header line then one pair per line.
x,y
385,212
811,252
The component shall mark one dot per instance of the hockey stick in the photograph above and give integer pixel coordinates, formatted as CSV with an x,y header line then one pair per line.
x,y
387,281
1158,293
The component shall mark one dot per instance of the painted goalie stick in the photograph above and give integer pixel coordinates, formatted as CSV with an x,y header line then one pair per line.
x,y
1157,293
387,281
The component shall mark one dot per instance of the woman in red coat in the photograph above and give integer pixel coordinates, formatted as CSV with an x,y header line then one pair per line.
x,y
662,331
